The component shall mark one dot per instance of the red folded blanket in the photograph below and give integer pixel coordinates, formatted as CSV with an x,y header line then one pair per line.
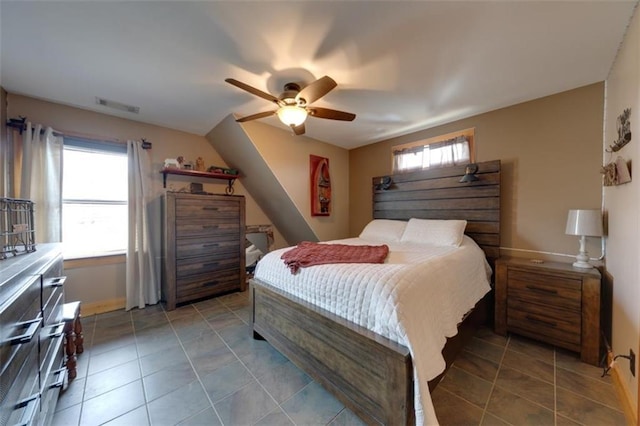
x,y
308,254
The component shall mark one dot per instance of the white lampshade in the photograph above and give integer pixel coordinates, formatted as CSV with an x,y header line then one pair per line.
x,y
584,222
292,115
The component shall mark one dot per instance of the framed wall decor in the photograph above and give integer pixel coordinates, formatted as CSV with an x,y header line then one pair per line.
x,y
320,186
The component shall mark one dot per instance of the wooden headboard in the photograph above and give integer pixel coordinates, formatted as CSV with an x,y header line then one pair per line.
x,y
438,194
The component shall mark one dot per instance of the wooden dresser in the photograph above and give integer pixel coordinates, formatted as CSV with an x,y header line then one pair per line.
x,y
551,302
203,247
31,326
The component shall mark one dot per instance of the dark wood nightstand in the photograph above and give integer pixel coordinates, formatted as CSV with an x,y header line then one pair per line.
x,y
551,302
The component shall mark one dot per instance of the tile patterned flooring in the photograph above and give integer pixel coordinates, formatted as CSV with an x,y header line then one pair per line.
x,y
199,365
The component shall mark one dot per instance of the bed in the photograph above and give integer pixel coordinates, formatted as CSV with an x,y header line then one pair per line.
x,y
371,372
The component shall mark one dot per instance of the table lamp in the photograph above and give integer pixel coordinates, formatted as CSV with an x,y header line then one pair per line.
x,y
585,223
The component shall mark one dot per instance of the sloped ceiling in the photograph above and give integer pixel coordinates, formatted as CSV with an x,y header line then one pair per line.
x,y
236,147
400,66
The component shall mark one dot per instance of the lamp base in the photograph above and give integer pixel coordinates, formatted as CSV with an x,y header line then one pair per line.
x,y
582,264
582,258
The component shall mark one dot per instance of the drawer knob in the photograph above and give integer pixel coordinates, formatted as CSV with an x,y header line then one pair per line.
x,y
32,328
56,282
58,330
28,400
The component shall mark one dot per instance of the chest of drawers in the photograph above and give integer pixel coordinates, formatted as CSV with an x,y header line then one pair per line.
x,y
203,247
31,357
551,302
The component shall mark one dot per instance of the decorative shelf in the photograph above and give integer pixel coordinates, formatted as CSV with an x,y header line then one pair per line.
x,y
194,173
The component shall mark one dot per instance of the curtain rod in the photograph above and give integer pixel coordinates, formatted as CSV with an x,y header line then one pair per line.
x,y
21,125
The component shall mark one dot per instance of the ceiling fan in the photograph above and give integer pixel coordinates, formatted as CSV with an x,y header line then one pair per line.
x,y
294,103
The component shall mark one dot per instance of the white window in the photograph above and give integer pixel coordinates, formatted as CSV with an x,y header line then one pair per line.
x,y
447,150
94,198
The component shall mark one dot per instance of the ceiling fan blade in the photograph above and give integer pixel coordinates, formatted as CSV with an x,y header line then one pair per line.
x,y
253,90
255,116
298,130
331,114
316,90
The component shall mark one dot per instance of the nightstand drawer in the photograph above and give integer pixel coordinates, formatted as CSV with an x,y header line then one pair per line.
x,y
560,327
563,293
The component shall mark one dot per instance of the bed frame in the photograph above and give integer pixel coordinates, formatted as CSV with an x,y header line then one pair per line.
x,y
368,373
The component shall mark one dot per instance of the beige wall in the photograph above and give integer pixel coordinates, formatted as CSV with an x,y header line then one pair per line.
x,y
622,204
550,150
288,158
93,284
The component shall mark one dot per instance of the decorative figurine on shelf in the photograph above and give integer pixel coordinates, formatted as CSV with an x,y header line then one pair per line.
x,y
180,160
171,163
200,164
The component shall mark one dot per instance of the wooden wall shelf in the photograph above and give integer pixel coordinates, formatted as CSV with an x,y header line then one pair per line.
x,y
194,173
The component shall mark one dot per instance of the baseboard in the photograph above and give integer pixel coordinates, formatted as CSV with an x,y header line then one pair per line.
x,y
624,396
102,307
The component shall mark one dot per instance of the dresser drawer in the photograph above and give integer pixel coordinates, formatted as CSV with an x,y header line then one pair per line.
x,y
21,320
53,376
192,247
208,264
203,286
21,402
52,305
206,208
207,228
53,327
51,285
562,293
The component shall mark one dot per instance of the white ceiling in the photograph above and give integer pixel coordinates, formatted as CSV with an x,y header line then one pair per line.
x,y
400,66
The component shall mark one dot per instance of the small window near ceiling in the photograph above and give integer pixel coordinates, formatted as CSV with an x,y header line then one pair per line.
x,y
452,149
94,198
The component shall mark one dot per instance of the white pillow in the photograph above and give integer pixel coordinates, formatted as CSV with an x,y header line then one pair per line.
x,y
434,232
384,230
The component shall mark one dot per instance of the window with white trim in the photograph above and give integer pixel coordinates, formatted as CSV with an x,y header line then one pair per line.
x,y
94,198
447,150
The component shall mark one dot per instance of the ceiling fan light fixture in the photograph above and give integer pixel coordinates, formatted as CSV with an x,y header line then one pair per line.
x,y
292,115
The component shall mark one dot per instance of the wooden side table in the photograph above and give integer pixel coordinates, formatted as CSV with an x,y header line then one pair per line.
x,y
73,339
551,302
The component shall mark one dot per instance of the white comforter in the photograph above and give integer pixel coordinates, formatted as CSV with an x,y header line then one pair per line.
x,y
416,298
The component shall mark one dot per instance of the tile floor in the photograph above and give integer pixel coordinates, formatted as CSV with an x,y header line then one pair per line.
x,y
199,365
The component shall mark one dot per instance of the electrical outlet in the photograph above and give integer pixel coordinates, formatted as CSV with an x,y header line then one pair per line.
x,y
632,362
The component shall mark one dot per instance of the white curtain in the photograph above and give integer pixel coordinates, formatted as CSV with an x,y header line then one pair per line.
x,y
41,181
439,154
142,284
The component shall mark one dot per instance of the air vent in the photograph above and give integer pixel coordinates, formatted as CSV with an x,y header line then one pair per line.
x,y
117,105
